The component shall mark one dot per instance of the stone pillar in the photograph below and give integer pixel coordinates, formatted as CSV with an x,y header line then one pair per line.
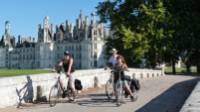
x,y
96,82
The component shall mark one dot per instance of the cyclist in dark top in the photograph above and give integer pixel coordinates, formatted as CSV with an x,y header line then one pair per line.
x,y
119,68
67,64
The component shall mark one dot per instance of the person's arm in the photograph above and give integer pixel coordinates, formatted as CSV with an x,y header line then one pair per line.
x,y
125,67
58,67
60,63
70,66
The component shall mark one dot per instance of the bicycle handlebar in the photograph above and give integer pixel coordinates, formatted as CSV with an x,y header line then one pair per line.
x,y
112,69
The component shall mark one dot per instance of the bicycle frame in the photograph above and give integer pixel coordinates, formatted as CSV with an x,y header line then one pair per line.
x,y
58,89
118,88
60,84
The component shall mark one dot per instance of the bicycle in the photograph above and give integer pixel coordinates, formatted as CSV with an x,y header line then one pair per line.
x,y
58,90
114,88
118,88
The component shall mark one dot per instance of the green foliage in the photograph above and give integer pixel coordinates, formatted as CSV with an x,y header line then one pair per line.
x,y
157,30
154,17
134,40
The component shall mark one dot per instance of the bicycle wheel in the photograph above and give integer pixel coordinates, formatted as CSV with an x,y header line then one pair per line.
x,y
109,90
119,93
53,96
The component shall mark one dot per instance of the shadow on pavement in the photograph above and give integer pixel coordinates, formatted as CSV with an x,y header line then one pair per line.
x,y
26,92
32,106
96,100
172,99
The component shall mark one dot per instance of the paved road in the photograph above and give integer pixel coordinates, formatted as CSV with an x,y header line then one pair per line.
x,y
164,94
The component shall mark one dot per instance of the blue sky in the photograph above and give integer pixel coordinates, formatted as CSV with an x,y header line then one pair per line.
x,y
25,15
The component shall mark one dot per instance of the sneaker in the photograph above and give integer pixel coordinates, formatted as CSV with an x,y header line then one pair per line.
x,y
64,94
71,100
134,98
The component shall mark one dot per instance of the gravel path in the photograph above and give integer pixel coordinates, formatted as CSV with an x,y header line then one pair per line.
x,y
163,94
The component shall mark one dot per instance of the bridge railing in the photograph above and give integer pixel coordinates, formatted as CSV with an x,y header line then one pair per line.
x,y
43,82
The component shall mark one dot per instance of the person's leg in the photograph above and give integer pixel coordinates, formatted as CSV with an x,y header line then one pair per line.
x,y
71,85
60,79
127,87
133,97
71,82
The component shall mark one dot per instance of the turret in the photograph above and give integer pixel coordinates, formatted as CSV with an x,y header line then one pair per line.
x,y
7,35
7,27
93,21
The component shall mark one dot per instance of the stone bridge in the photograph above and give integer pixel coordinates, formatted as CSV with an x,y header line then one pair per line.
x,y
158,94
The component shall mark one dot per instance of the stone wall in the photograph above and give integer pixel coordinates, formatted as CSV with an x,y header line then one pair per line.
x,y
89,79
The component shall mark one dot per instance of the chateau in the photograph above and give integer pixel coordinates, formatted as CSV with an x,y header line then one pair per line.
x,y
85,41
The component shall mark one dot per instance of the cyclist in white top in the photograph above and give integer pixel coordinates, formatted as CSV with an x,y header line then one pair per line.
x,y
113,59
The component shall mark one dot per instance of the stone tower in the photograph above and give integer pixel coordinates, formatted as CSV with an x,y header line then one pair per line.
x,y
7,27
45,34
7,34
46,29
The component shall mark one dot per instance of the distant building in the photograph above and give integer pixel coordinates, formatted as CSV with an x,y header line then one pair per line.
x,y
85,41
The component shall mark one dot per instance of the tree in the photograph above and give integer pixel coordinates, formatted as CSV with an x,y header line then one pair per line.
x,y
185,15
139,28
157,30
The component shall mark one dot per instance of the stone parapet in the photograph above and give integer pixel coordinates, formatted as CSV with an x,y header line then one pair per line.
x,y
43,82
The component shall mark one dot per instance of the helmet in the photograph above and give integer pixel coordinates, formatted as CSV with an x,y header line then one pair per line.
x,y
66,53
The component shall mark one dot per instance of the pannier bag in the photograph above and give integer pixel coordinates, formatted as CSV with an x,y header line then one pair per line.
x,y
136,84
78,85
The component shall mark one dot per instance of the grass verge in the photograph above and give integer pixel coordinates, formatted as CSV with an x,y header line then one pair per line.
x,y
182,70
18,72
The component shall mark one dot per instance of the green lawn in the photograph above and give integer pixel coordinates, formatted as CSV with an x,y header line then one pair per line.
x,y
17,72
182,70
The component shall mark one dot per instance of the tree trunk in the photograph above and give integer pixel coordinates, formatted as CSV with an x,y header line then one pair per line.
x,y
198,62
188,69
173,66
198,67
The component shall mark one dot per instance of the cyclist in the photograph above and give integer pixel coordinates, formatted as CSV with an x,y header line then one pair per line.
x,y
119,68
113,59
67,64
111,62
